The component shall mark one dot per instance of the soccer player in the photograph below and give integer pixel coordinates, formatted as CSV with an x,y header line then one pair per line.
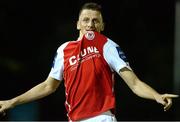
x,y
87,67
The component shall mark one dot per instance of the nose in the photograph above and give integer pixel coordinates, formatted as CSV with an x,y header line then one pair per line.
x,y
91,24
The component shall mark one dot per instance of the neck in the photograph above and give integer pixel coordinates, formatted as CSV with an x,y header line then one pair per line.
x,y
80,36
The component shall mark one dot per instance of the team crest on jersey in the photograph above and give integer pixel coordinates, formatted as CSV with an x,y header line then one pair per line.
x,y
90,35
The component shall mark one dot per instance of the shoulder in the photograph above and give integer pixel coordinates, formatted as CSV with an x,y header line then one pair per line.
x,y
111,43
62,46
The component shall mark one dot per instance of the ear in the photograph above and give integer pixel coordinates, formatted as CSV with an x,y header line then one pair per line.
x,y
102,26
78,25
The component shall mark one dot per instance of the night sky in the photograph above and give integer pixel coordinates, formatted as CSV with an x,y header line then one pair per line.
x,y
31,32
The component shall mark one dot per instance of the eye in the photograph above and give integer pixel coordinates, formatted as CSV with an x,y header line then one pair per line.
x,y
85,20
96,21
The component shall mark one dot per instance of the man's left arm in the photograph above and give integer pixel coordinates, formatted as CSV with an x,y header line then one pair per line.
x,y
143,90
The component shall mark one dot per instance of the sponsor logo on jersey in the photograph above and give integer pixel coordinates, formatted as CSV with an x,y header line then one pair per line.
x,y
88,52
121,54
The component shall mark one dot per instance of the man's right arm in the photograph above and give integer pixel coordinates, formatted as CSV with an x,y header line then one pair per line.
x,y
41,90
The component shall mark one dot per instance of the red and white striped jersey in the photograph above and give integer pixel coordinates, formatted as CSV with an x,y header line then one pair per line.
x,y
87,67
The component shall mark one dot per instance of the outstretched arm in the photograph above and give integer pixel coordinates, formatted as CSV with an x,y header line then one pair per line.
x,y
145,91
41,90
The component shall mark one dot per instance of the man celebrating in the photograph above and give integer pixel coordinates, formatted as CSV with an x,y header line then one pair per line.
x,y
87,67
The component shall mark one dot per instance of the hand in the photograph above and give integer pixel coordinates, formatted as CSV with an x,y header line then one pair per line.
x,y
166,100
4,105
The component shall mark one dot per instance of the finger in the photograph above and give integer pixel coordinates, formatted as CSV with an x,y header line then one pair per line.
x,y
4,113
171,95
168,105
161,101
1,110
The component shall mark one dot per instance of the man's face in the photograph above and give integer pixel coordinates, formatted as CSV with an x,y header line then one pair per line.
x,y
90,20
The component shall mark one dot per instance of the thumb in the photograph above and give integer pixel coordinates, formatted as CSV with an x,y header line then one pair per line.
x,y
2,111
160,100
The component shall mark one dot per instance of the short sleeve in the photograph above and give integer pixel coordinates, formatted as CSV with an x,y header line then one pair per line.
x,y
114,56
58,64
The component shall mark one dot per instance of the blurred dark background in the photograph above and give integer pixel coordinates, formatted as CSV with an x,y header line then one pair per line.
x,y
31,32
